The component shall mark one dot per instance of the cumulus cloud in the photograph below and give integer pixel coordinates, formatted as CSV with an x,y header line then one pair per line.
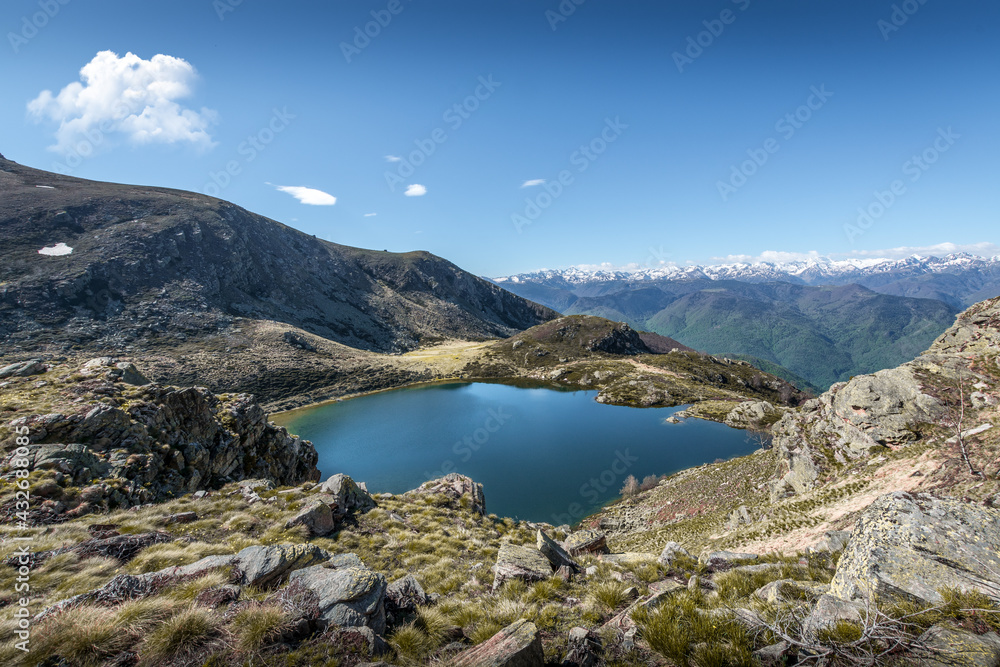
x,y
533,182
309,196
125,96
415,190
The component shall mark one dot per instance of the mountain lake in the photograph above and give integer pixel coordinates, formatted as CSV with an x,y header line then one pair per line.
x,y
541,454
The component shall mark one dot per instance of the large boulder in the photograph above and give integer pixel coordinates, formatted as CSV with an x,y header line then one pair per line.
x,y
517,645
911,546
316,516
266,566
347,597
23,369
345,496
556,555
672,551
404,596
517,562
946,645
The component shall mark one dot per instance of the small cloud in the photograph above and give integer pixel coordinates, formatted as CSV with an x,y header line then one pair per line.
x,y
393,158
309,196
56,250
415,190
126,96
370,215
533,182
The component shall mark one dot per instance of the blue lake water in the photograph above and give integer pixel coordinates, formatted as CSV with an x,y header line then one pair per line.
x,y
541,454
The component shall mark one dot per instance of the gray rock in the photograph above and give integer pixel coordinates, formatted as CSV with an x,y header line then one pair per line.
x,y
181,517
833,540
463,490
789,590
316,516
131,374
517,645
266,566
671,552
404,596
584,542
947,645
752,414
347,597
828,611
518,562
724,559
556,554
773,655
344,560
23,369
911,546
360,640
629,558
347,496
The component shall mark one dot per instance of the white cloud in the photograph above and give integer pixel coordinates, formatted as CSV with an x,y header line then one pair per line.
x,y
56,250
393,158
533,182
370,215
309,196
415,190
125,96
937,250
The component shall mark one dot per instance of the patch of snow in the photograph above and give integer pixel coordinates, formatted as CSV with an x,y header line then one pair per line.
x,y
56,250
47,187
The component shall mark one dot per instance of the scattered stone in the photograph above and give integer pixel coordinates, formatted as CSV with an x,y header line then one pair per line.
x,y
360,640
565,573
316,516
131,375
219,596
739,517
556,554
518,562
517,645
671,552
582,649
912,546
584,542
773,655
789,590
348,597
181,517
828,611
591,571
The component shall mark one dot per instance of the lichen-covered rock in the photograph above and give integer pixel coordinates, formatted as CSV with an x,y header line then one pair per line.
x,y
830,610
911,546
833,540
316,516
463,490
629,558
345,496
517,645
790,590
556,555
584,542
753,414
23,369
724,559
347,597
946,645
518,562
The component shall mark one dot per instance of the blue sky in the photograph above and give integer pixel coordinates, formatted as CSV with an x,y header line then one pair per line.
x,y
673,131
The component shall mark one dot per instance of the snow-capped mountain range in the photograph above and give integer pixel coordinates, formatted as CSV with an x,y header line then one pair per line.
x,y
820,271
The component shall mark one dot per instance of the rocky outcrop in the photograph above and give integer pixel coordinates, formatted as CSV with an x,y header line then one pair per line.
x,y
517,645
946,645
884,409
753,415
344,496
461,489
671,552
555,554
584,542
912,546
129,445
316,516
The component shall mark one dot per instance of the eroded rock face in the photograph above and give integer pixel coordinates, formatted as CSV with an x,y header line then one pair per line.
x,y
517,645
142,444
910,546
